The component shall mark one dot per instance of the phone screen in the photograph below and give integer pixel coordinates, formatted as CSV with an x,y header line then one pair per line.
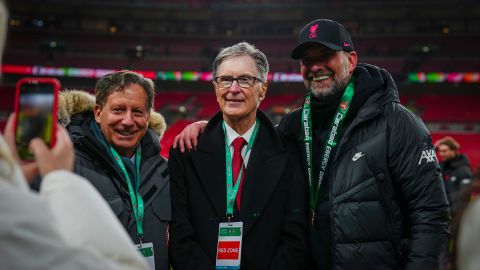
x,y
35,116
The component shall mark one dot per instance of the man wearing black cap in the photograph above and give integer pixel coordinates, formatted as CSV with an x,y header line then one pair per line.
x,y
376,195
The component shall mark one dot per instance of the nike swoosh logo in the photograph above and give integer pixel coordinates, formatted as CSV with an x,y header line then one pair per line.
x,y
357,156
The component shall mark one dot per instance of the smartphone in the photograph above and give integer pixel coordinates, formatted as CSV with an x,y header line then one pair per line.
x,y
36,113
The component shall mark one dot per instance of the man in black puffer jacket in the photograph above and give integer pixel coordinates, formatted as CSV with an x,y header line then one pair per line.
x,y
376,194
116,135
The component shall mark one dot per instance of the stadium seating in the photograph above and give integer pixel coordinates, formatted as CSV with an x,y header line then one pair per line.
x,y
447,108
170,98
170,134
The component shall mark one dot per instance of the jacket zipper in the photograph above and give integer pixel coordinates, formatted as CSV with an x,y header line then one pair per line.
x,y
333,175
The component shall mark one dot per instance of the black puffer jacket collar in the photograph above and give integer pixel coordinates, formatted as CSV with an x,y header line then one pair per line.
x,y
374,88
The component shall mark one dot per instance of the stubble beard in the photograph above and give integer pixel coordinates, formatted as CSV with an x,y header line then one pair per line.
x,y
326,93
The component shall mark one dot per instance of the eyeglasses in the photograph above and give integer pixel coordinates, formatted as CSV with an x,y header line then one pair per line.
x,y
243,81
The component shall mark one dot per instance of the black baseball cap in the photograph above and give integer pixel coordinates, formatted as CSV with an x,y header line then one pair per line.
x,y
329,33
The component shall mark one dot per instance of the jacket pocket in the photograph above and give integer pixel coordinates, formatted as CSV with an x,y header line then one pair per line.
x,y
162,208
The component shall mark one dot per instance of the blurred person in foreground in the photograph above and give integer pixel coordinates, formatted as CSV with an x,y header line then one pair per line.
x,y
241,176
116,135
456,170
468,241
376,195
67,225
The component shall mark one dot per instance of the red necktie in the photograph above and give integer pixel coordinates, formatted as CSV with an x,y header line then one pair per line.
x,y
237,163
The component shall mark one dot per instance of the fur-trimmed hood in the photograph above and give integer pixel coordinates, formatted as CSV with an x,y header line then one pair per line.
x,y
71,102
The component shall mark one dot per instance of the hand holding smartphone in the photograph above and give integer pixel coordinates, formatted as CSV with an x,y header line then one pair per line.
x,y
36,105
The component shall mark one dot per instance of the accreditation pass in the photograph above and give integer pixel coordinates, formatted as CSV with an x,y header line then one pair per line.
x,y
146,249
229,247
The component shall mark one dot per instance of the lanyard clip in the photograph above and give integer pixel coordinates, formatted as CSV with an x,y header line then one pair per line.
x,y
229,218
140,238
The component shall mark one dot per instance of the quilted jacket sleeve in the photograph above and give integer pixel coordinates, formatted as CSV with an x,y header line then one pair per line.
x,y
415,169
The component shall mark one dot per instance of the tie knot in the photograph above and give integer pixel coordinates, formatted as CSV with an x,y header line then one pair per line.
x,y
238,144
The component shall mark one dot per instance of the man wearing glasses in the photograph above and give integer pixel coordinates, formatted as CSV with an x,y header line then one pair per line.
x,y
236,199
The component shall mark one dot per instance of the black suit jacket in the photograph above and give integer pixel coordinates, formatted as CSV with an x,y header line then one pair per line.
x,y
273,202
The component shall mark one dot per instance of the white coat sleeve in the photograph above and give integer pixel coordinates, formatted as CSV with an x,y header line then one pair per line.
x,y
85,221
33,236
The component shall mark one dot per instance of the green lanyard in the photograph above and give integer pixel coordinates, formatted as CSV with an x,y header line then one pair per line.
x,y
136,199
233,189
331,142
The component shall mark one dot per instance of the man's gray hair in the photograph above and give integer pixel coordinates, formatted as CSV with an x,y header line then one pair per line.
x,y
239,49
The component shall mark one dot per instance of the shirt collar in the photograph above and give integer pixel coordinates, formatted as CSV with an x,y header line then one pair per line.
x,y
232,134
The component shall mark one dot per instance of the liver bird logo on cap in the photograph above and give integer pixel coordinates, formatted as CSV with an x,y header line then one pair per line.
x,y
313,31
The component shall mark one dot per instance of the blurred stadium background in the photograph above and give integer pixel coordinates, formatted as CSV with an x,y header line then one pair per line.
x,y
430,47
